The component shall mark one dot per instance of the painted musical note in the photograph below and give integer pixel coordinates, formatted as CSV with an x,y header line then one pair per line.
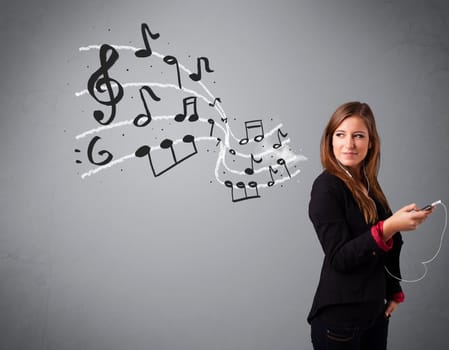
x,y
253,124
146,52
250,171
241,185
281,161
90,150
275,171
171,60
146,117
212,123
186,102
145,150
197,76
279,133
100,79
165,155
217,99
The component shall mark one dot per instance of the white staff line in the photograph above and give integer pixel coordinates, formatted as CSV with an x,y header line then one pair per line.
x,y
268,134
132,155
129,122
218,107
203,138
151,84
295,158
109,165
186,70
278,181
258,155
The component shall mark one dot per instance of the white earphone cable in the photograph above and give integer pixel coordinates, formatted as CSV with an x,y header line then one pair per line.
x,y
424,263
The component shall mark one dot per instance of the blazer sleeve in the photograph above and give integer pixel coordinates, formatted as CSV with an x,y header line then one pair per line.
x,y
346,250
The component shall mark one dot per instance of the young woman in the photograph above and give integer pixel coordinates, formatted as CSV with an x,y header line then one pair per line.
x,y
359,235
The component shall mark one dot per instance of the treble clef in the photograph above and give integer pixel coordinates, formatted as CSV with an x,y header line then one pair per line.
x,y
100,82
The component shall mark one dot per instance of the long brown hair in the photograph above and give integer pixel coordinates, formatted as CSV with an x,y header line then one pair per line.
x,y
371,162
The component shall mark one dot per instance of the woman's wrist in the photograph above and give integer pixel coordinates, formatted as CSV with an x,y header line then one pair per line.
x,y
377,233
388,229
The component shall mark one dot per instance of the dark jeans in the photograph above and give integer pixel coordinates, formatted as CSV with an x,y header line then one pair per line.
x,y
371,337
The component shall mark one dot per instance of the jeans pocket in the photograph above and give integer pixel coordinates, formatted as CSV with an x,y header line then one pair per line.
x,y
340,335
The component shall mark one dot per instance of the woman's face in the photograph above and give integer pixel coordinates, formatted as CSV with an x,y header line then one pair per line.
x,y
350,142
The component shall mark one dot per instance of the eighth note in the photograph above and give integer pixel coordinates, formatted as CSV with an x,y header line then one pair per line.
x,y
241,185
250,171
146,52
275,171
147,114
278,145
253,124
187,102
217,99
145,150
197,76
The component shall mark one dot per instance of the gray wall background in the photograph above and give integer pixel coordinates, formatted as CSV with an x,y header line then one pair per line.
x,y
122,260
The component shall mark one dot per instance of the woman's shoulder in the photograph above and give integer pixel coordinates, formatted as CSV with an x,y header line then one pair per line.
x,y
327,184
327,198
326,179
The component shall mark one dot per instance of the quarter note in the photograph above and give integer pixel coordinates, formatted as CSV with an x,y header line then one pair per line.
x,y
279,133
253,124
242,186
146,52
147,115
281,161
212,123
186,102
145,151
197,76
100,79
250,171
171,60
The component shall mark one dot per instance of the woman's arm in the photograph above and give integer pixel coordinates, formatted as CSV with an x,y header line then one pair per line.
x,y
407,218
346,250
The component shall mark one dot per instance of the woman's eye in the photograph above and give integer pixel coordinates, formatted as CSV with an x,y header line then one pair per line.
x,y
339,134
359,136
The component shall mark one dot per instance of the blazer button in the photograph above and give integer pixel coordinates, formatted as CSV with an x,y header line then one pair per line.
x,y
374,253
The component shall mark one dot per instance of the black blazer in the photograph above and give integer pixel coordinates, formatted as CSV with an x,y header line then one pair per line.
x,y
353,267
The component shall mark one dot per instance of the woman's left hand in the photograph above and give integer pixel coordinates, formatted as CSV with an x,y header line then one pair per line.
x,y
391,307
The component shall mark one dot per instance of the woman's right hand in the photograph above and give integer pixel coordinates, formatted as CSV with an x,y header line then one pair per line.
x,y
407,218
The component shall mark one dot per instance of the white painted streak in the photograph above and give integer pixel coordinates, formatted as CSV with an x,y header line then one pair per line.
x,y
288,156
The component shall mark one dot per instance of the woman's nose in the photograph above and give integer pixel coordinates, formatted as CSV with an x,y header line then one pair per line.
x,y
349,142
